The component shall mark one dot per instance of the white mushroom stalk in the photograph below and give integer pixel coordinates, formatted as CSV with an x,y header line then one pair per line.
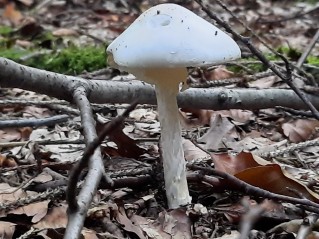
x,y
167,88
157,48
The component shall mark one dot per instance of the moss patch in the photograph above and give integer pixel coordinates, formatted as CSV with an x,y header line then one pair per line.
x,y
72,60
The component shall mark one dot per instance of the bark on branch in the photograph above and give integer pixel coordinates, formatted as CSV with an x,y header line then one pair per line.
x,y
14,75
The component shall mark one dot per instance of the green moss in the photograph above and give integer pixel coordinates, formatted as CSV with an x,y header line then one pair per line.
x,y
313,60
72,60
292,54
5,30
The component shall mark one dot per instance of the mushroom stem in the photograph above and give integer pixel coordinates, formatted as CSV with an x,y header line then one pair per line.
x,y
167,87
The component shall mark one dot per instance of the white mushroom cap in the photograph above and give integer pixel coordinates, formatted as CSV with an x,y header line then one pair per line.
x,y
169,36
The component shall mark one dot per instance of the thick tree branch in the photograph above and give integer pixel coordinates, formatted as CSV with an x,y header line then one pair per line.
x,y
13,75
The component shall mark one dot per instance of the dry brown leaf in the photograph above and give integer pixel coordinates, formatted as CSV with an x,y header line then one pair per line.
x,y
7,162
24,43
233,164
10,194
237,115
89,234
7,229
36,210
263,83
64,32
37,112
143,114
300,129
55,218
200,117
127,223
219,73
25,132
12,14
220,127
192,152
173,224
127,147
272,178
260,173
8,135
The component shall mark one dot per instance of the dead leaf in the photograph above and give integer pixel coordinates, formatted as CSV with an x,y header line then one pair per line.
x,y
55,218
263,83
198,117
12,14
36,112
220,127
260,173
65,32
233,164
172,224
192,152
143,114
25,132
24,43
127,147
127,223
219,73
274,179
8,135
36,210
7,162
7,229
300,129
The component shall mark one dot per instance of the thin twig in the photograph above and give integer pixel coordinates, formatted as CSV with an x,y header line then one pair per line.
x,y
308,49
56,119
74,175
287,77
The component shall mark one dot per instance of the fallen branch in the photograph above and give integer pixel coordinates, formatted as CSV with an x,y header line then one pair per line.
x,y
14,75
56,119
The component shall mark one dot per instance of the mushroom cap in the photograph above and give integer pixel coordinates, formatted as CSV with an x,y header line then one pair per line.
x,y
169,36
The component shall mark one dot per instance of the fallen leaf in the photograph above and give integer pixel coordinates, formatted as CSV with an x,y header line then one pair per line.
x,y
7,162
7,229
300,129
128,224
274,179
127,147
143,114
36,210
24,43
65,32
192,152
263,83
12,14
172,224
219,73
220,127
55,218
235,163
260,173
8,135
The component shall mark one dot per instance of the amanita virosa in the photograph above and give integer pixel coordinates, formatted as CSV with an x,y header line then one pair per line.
x,y
156,48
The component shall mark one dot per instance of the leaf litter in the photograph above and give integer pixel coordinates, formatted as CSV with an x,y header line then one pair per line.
x,y
214,138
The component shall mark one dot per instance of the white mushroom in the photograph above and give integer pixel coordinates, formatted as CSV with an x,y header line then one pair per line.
x,y
157,47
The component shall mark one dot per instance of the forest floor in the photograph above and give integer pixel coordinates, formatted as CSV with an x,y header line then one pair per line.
x,y
274,149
